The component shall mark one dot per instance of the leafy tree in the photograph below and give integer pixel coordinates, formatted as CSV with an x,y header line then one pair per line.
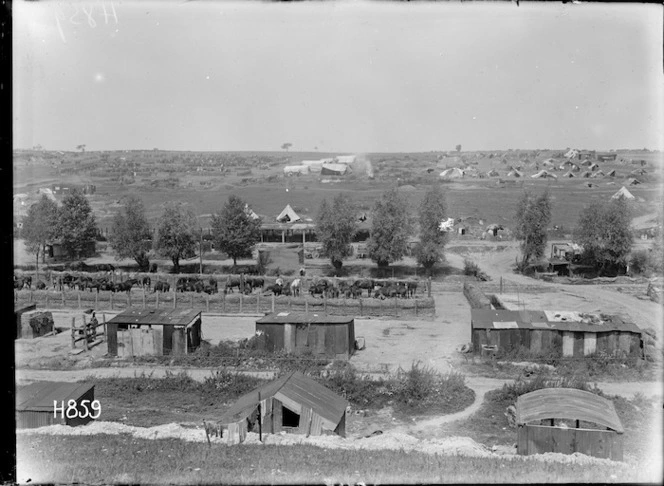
x,y
390,229
131,233
433,210
458,148
286,146
235,231
604,232
76,225
81,147
39,226
336,227
177,234
533,215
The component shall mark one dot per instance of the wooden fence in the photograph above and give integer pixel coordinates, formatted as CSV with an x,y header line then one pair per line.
x,y
224,303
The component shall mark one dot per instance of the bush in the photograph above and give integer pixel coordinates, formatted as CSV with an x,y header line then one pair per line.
x,y
639,262
471,268
509,393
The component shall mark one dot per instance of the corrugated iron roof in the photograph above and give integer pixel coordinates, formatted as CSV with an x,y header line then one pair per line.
x,y
554,320
39,396
174,317
569,404
296,387
303,318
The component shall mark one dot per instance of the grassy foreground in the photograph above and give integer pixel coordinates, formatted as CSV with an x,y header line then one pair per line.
x,y
113,459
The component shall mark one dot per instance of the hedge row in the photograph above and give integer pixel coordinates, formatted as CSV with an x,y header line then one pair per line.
x,y
231,303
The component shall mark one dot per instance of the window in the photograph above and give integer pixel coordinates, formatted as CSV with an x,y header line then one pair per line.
x,y
289,418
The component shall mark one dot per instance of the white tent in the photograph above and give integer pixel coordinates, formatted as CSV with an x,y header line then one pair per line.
x,y
587,162
514,173
612,173
453,173
288,215
623,192
585,174
314,165
446,225
572,153
333,169
599,173
345,159
633,182
568,174
250,212
493,173
543,173
296,169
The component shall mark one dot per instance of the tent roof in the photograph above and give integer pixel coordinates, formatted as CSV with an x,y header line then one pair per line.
x,y
288,214
624,193
569,404
295,387
453,172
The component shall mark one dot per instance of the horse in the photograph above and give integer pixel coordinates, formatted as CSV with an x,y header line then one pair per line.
x,y
161,286
295,287
145,282
274,288
233,281
364,284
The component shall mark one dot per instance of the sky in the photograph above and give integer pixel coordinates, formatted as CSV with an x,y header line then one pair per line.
x,y
336,76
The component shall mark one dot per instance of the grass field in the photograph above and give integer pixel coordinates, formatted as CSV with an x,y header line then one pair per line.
x,y
122,459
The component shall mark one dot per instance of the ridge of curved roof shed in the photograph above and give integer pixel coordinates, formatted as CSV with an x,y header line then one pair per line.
x,y
569,404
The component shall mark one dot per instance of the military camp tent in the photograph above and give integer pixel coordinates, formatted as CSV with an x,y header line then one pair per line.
x,y
585,174
568,175
612,173
549,163
314,165
293,403
493,173
587,162
514,173
638,172
345,159
633,182
334,169
288,215
249,212
599,173
571,154
593,167
453,173
623,192
576,168
296,169
543,174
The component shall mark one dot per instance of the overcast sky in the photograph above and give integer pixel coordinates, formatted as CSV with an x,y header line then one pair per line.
x,y
339,76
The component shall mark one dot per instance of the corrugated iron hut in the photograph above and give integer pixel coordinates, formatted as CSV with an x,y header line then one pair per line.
x,y
587,409
575,334
18,312
293,403
34,403
149,332
319,334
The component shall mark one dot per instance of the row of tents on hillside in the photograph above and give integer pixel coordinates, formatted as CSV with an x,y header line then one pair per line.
x,y
457,173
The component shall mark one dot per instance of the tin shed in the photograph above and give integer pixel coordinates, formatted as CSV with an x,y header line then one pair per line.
x,y
149,332
293,403
568,404
320,334
35,403
575,334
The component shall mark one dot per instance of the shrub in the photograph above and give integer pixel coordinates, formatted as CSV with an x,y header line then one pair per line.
x,y
509,393
639,262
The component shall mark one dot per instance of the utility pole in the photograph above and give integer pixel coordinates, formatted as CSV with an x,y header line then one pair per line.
x,y
200,252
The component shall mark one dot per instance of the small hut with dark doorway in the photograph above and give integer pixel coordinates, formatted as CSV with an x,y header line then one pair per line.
x,y
299,333
293,404
149,332
594,427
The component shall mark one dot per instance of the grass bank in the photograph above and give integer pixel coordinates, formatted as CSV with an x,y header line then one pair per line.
x,y
112,459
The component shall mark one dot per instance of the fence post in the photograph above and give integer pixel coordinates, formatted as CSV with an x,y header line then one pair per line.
x,y
47,299
501,284
325,302
157,302
143,297
207,302
73,333
258,303
191,301
129,298
273,302
429,287
306,304
103,320
396,306
289,303
30,295
63,298
112,300
175,300
85,333
415,306
361,313
241,301
96,299
223,302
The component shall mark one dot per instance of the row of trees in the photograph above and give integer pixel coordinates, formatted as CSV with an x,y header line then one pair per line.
x,y
603,230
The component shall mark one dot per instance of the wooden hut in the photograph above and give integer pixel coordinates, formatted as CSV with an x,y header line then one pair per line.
x,y
35,404
587,410
293,403
575,334
149,332
297,333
